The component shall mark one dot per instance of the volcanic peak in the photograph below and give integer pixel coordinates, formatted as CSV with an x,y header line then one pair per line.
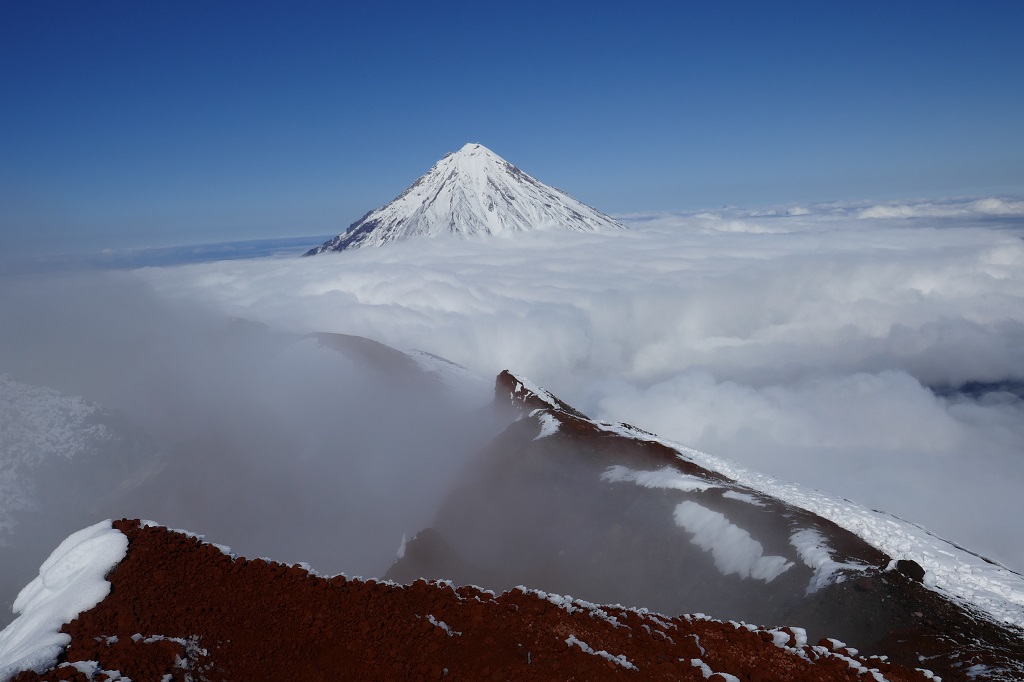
x,y
467,193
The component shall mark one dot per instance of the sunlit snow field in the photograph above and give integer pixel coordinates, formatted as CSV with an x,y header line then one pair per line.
x,y
821,344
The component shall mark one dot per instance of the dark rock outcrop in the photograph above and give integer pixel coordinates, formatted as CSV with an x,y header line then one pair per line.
x,y
911,569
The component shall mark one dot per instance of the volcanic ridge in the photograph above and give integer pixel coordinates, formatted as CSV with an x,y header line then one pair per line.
x,y
467,193
180,609
616,515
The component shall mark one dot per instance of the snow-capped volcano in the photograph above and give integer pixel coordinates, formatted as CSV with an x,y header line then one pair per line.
x,y
470,192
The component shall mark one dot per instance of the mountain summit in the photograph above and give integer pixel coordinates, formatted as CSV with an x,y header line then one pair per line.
x,y
470,192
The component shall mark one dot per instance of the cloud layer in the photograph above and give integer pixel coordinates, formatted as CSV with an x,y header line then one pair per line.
x,y
872,351
801,341
274,443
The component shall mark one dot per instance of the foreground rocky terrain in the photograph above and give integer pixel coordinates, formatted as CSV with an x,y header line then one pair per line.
x,y
179,609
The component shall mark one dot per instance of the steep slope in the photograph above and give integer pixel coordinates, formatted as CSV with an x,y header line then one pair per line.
x,y
179,609
612,514
470,192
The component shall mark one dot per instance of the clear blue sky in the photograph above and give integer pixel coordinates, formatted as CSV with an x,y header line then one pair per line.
x,y
158,123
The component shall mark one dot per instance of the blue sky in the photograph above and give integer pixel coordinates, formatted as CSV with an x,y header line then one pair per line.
x,y
135,124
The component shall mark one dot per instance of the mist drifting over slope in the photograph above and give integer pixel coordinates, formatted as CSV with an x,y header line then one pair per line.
x,y
273,442
872,351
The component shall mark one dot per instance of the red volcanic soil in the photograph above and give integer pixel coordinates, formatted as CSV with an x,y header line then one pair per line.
x,y
180,609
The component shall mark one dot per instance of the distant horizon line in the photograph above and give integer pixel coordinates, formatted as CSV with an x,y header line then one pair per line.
x,y
233,249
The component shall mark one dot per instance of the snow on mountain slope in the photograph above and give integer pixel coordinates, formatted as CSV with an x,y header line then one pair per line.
x,y
470,192
950,569
70,581
614,514
970,579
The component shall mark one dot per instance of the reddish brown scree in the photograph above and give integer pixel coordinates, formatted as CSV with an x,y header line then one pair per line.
x,y
182,608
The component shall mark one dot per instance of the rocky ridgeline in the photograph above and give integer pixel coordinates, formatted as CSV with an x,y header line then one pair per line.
x,y
612,514
181,610
569,505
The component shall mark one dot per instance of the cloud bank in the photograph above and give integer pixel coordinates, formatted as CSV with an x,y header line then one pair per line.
x,y
822,344
274,443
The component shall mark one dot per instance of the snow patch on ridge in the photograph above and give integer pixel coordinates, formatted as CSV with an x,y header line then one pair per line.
x,y
816,554
706,671
620,660
70,581
666,477
224,549
548,423
732,548
742,497
443,625
525,384
854,664
961,575
570,605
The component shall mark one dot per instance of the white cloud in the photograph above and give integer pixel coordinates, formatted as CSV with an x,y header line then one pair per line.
x,y
988,206
799,341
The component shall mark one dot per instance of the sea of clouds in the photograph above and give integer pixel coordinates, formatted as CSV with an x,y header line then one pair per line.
x,y
822,344
875,352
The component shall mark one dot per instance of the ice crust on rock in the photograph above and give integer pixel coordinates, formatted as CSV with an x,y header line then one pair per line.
x,y
224,549
706,671
70,581
619,660
443,625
